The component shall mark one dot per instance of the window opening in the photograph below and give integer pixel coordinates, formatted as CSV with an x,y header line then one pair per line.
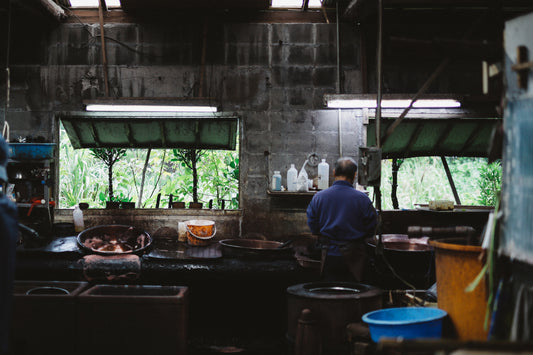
x,y
84,178
422,179
295,4
93,3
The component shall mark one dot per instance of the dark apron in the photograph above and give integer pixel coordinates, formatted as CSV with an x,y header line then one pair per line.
x,y
8,244
352,259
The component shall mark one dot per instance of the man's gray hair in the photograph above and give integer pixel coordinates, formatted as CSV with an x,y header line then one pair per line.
x,y
346,166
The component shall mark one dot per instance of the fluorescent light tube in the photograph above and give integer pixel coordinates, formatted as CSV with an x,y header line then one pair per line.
x,y
149,108
369,103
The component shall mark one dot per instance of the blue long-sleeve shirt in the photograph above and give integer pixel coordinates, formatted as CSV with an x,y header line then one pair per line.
x,y
342,214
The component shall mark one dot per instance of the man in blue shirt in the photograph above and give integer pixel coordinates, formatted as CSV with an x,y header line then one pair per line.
x,y
345,217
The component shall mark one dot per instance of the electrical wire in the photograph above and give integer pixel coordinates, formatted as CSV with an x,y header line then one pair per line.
x,y
8,76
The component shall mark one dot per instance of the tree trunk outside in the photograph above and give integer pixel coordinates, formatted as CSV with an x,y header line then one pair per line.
x,y
194,180
110,176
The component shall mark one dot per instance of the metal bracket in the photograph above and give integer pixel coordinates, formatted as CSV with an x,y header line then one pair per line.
x,y
522,66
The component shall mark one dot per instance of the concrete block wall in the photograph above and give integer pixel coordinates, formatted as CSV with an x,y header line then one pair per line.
x,y
274,76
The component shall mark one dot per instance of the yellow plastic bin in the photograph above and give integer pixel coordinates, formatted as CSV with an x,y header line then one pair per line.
x,y
457,265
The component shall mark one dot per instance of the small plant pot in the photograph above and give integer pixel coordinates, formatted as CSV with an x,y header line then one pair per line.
x,y
127,205
178,204
196,205
83,205
112,205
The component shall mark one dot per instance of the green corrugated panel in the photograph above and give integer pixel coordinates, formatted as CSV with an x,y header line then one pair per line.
x,y
149,130
435,137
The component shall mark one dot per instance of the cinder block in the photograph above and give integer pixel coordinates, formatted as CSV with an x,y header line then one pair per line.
x,y
279,54
292,121
256,166
325,77
353,81
302,55
300,75
326,54
256,141
293,33
247,33
278,98
124,33
256,121
325,33
302,97
247,54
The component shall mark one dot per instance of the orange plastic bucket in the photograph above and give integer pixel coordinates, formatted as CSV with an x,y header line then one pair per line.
x,y
200,231
457,265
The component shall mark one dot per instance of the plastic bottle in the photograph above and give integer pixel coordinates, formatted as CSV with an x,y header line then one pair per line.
x,y
323,175
292,177
276,181
77,215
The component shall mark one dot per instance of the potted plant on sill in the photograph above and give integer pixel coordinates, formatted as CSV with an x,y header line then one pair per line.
x,y
109,156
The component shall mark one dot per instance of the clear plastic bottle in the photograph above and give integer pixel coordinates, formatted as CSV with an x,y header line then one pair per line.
x,y
323,175
276,181
292,178
77,215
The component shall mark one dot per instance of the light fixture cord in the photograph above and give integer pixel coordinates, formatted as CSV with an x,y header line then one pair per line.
x,y
8,73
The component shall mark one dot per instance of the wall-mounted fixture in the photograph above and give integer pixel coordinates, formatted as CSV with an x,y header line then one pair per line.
x,y
388,101
151,123
151,105
149,108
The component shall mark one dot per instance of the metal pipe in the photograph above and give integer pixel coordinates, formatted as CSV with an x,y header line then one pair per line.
x,y
54,9
202,66
339,119
379,66
450,180
8,74
101,4
338,49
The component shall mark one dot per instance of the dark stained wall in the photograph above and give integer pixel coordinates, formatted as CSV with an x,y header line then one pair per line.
x,y
273,75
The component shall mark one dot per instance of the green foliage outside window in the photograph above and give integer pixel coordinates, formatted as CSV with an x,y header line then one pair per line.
x,y
84,178
423,179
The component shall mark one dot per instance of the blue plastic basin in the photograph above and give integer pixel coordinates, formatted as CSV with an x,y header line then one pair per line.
x,y
405,322
37,151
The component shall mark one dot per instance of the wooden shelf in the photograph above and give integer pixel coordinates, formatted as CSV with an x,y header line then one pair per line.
x,y
290,193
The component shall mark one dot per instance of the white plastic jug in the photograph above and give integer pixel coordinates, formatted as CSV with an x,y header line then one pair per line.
x,y
276,181
323,175
292,177
77,215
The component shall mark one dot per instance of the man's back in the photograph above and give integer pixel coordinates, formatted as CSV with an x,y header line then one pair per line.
x,y
341,213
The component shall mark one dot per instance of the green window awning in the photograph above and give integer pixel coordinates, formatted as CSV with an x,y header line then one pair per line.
x,y
151,130
464,137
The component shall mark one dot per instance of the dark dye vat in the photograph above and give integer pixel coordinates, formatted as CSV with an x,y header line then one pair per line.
x,y
333,305
47,290
334,290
